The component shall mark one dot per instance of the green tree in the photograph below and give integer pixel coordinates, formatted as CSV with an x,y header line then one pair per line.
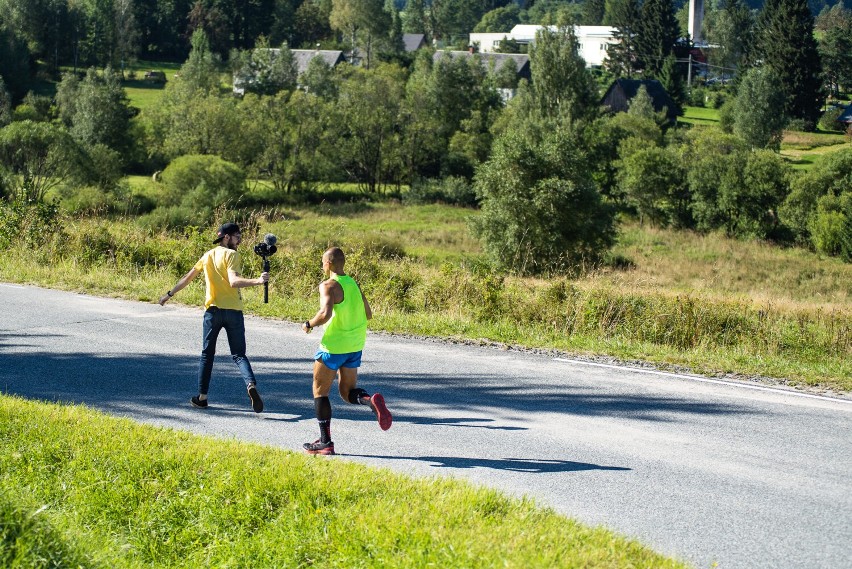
x,y
414,19
654,182
42,156
758,109
96,110
593,12
835,47
749,198
320,79
14,63
657,33
361,22
713,159
500,19
731,29
561,88
831,225
540,209
201,70
367,116
454,19
786,45
671,77
266,71
312,23
622,54
5,104
424,134
294,134
642,105
831,174
611,138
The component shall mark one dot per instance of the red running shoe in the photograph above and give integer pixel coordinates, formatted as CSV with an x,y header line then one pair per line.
x,y
318,447
382,413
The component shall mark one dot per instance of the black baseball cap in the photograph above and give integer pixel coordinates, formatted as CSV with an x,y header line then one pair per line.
x,y
226,229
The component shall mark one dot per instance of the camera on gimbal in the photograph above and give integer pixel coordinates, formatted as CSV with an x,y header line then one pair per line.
x,y
264,249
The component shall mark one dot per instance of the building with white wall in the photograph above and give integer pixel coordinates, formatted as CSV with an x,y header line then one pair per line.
x,y
593,40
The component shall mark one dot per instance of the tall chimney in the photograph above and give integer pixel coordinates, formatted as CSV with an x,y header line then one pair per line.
x,y
696,17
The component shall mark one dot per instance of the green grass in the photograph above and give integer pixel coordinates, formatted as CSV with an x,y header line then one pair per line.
x,y
144,95
699,116
704,302
71,497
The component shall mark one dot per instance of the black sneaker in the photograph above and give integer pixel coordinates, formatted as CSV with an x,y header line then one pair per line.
x,y
256,401
318,447
200,403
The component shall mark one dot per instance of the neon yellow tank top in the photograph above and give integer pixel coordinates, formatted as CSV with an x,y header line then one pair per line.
x,y
346,332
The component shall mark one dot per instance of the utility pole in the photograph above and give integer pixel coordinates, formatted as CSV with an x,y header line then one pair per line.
x,y
689,73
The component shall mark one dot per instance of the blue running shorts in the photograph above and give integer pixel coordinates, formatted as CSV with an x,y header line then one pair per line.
x,y
337,361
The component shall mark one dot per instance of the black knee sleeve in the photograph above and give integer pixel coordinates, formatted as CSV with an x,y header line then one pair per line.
x,y
356,394
323,408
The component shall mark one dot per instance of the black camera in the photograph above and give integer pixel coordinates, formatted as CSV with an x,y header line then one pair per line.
x,y
265,249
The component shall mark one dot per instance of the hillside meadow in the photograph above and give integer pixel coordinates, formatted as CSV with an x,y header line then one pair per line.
x,y
682,300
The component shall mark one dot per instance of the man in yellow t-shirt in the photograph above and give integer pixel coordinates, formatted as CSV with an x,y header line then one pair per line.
x,y
224,309
346,310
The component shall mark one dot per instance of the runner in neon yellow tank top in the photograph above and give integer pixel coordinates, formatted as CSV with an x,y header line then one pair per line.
x,y
345,310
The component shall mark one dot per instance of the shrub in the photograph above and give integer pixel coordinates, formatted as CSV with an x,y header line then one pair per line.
x,y
171,217
828,120
201,182
698,96
831,226
35,224
541,210
88,200
453,190
832,173
715,99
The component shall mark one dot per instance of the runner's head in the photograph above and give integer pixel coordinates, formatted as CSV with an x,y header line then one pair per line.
x,y
333,260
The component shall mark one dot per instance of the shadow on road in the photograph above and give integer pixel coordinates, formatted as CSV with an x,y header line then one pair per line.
x,y
118,381
530,465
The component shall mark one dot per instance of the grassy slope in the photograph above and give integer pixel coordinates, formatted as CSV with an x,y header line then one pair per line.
x,y
800,149
170,499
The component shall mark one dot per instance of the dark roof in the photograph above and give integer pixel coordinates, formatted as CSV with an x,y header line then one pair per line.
x,y
304,56
620,93
521,60
413,42
846,116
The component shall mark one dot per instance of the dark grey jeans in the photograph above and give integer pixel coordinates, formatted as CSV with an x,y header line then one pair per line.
x,y
232,321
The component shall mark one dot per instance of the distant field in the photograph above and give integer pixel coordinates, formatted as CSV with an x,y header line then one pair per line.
x,y
699,116
143,94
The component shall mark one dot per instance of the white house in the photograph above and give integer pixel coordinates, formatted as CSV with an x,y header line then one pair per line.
x,y
593,40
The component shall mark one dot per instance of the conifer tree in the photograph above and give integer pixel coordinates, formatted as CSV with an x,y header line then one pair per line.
x,y
658,31
623,15
786,44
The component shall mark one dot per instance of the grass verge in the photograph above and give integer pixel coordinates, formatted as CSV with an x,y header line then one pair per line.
x,y
69,497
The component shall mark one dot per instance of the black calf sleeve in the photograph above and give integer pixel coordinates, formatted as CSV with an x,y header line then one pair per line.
x,y
323,408
356,395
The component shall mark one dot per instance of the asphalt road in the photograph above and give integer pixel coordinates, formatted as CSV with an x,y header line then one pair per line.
x,y
703,471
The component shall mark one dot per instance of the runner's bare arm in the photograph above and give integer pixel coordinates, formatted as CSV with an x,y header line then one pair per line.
x,y
327,290
367,309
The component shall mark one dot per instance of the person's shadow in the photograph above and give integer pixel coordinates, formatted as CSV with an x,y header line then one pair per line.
x,y
529,465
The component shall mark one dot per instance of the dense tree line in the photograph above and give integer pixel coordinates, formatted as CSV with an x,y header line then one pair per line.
x,y
548,169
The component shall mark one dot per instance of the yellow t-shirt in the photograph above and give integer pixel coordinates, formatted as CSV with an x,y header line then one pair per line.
x,y
216,263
